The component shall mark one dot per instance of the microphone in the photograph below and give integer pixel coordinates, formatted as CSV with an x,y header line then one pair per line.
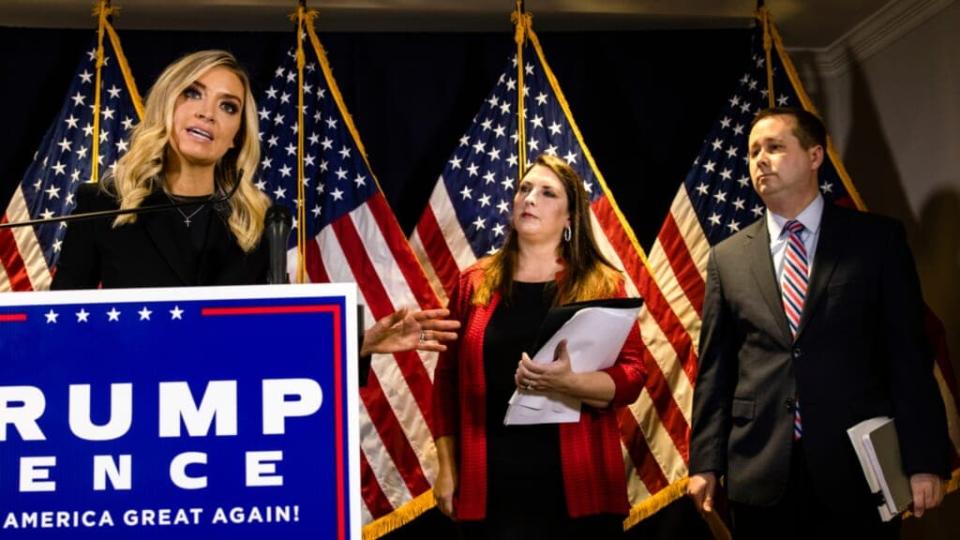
x,y
277,224
120,212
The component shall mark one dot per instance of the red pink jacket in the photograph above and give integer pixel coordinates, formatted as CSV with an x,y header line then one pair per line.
x,y
591,461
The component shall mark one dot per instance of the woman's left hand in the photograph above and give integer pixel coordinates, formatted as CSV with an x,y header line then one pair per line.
x,y
406,330
551,377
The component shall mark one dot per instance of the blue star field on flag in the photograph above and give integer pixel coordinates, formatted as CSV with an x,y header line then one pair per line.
x,y
64,158
336,177
718,183
480,175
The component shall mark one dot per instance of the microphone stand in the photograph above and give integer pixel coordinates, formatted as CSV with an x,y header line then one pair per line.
x,y
120,212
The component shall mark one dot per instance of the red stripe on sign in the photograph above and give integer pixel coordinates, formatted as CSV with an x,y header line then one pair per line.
x,y
400,249
267,310
12,262
373,497
434,243
13,317
643,461
380,305
394,439
338,386
685,270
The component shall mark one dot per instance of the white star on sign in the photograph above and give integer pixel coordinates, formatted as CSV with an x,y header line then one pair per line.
x,y
176,314
145,314
51,316
113,315
82,316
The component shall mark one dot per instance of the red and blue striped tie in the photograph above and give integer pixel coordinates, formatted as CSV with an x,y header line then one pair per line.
x,y
793,287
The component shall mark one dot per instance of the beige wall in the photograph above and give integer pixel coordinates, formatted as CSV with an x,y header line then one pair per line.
x,y
895,119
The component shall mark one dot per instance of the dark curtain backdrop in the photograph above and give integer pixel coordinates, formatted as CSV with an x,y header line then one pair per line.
x,y
644,101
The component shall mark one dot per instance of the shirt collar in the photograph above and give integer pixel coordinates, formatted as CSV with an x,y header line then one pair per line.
x,y
810,218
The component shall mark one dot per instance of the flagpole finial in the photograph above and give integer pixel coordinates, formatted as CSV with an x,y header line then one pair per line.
x,y
522,21
103,9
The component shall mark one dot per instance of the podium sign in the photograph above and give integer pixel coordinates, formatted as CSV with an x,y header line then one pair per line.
x,y
209,412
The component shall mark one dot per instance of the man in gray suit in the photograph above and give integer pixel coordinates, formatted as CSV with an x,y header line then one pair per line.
x,y
812,322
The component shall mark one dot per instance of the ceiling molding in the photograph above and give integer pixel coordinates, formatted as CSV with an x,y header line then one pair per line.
x,y
875,33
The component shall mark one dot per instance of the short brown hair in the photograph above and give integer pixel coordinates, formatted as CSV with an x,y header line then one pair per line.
x,y
809,130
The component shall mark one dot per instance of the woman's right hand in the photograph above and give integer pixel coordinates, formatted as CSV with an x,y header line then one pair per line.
x,y
444,488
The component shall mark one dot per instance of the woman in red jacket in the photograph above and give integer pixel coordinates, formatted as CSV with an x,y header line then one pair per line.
x,y
538,481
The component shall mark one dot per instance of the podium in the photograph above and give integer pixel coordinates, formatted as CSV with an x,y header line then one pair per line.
x,y
207,412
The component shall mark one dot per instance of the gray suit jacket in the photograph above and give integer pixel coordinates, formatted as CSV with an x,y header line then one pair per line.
x,y
860,352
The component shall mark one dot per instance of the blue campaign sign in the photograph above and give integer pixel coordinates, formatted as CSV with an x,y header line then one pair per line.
x,y
211,412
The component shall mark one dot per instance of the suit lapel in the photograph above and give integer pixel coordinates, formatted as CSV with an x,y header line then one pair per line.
x,y
171,243
824,262
761,264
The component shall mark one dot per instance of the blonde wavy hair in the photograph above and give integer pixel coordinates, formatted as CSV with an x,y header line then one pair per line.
x,y
140,171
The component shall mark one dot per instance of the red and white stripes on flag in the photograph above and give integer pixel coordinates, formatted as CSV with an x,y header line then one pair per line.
x,y
99,108
350,234
468,213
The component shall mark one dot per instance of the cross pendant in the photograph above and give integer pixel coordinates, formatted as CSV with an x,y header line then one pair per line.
x,y
186,221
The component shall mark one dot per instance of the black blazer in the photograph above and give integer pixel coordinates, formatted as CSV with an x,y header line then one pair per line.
x,y
860,352
154,251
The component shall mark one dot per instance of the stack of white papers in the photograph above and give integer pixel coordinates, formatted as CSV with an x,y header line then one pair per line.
x,y
594,337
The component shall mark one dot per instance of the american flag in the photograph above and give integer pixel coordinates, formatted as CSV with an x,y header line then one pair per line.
x,y
717,199
468,215
64,160
353,236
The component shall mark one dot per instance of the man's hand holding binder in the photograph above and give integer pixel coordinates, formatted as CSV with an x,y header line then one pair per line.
x,y
927,492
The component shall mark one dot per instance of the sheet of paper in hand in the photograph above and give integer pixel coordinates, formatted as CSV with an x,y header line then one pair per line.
x,y
595,332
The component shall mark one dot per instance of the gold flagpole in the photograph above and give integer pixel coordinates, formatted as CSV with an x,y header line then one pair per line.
x,y
520,20
102,10
301,195
764,15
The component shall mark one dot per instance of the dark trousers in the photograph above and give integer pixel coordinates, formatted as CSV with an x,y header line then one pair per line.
x,y
802,514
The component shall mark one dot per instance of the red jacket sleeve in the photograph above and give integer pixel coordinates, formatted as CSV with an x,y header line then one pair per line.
x,y
446,380
629,373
